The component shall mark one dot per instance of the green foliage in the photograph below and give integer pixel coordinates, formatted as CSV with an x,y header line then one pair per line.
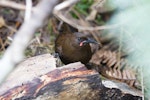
x,y
74,15
99,20
83,6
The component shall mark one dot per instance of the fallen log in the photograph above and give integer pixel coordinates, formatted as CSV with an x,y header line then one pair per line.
x,y
38,78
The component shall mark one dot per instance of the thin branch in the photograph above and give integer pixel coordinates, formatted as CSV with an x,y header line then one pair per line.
x,y
11,4
15,53
63,5
58,13
28,9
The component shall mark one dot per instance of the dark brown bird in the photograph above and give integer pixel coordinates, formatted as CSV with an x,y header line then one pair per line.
x,y
73,47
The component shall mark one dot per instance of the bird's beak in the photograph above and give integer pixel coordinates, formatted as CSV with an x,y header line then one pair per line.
x,y
91,41
88,41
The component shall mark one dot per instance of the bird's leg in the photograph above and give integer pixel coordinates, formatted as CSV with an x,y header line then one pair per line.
x,y
58,61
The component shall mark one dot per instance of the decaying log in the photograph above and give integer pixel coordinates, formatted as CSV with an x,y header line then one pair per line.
x,y
37,78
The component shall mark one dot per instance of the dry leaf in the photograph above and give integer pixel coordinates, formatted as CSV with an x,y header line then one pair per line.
x,y
113,68
2,22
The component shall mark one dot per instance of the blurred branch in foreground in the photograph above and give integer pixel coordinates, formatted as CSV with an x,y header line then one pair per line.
x,y
15,53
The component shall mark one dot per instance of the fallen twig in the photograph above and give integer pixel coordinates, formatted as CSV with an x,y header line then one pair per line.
x,y
11,4
58,13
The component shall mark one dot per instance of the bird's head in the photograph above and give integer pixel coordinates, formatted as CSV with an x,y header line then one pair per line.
x,y
83,40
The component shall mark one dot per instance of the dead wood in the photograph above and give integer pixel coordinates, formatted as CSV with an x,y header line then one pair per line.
x,y
37,78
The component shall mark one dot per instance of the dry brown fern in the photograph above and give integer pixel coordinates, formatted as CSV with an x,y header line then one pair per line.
x,y
113,66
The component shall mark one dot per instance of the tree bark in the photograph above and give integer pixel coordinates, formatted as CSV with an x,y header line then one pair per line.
x,y
69,82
